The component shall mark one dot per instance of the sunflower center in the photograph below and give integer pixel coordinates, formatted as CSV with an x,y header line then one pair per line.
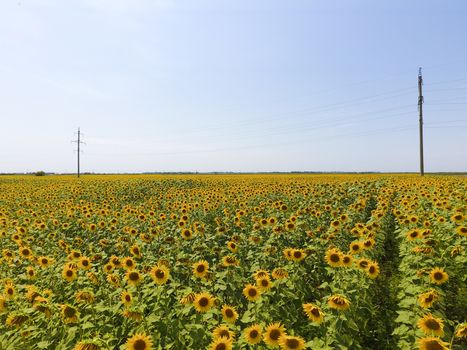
x,y
363,264
69,273
224,333
297,255
264,283
69,312
229,313
334,258
372,269
200,268
220,346
140,344
432,324
203,301
292,343
160,274
275,334
134,276
346,260
254,333
315,312
429,298
438,276
433,345
252,292
127,298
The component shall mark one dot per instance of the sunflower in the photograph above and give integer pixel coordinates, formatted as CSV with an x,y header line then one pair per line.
x,y
298,255
288,253
251,292
203,302
414,234
252,334
139,341
109,267
273,333
126,298
133,277
223,331
362,263
187,234
264,283
461,331
25,252
69,274
461,230
229,313
338,302
69,314
30,272
347,260
15,320
160,274
86,345
432,343
44,261
431,325
133,315
188,299
279,273
438,276
230,260
334,257
201,268
427,299
221,344
2,303
356,247
458,217
84,263
291,343
113,280
128,263
313,312
85,296
372,270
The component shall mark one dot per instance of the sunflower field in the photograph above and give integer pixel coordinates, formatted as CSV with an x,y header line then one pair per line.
x,y
220,262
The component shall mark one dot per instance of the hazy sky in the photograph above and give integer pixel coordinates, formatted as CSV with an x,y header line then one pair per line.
x,y
244,85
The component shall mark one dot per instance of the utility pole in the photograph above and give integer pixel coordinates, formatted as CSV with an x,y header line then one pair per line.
x,y
420,120
78,142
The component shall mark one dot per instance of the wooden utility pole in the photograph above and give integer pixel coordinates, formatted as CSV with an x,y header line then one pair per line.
x,y
420,120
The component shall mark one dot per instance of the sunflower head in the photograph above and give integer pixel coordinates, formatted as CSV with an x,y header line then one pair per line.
x,y
432,343
314,312
221,344
139,342
201,268
229,313
203,302
251,292
438,276
252,334
334,257
223,331
291,343
160,274
431,325
338,302
273,334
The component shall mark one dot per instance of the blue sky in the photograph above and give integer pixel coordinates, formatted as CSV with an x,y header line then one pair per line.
x,y
232,85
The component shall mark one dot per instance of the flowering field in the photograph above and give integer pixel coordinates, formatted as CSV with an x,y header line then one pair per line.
x,y
233,262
